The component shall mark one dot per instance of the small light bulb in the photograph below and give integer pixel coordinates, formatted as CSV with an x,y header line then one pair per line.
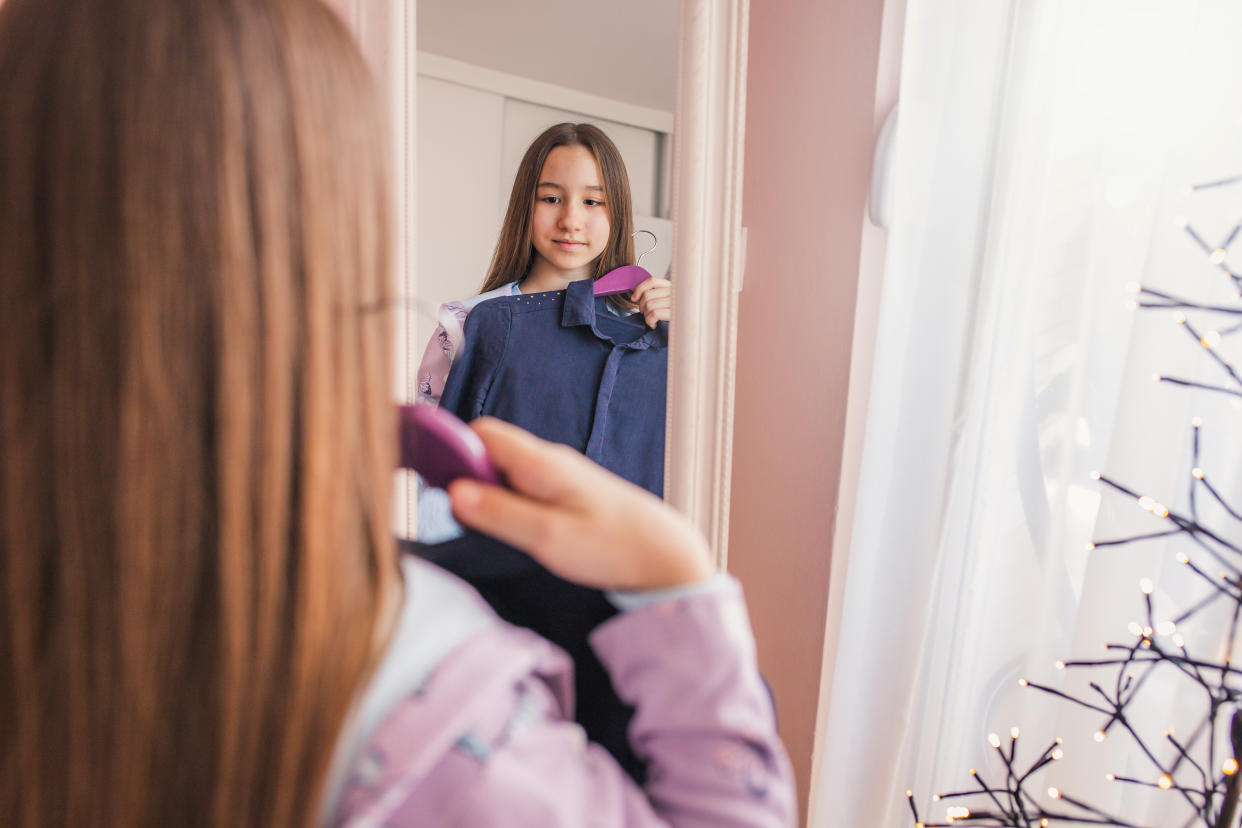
x,y
1054,793
936,798
1179,318
1165,782
1099,736
909,793
1197,422
1060,665
1058,754
1217,256
993,740
1095,475
1179,641
1211,339
1196,473
1147,502
1183,558
1090,546
1023,682
1148,632
1134,628
1013,733
1166,628
1146,586
1111,777
957,812
1134,287
1156,377
1230,767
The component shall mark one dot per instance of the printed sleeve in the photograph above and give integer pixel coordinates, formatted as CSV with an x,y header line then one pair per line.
x,y
438,355
485,335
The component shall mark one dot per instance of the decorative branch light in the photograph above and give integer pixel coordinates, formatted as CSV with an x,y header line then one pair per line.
x,y
1202,770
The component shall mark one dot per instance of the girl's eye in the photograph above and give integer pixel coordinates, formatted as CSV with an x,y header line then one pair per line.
x,y
591,202
550,199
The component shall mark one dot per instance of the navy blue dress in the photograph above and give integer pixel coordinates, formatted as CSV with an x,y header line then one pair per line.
x,y
564,368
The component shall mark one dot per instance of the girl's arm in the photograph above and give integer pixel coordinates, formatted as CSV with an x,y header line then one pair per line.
x,y
704,719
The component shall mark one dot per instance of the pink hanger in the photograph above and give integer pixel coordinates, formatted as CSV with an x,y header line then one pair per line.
x,y
626,277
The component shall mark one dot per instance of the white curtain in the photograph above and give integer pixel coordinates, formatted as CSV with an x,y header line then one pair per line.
x,y
1040,159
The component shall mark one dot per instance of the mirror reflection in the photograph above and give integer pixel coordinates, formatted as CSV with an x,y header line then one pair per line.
x,y
543,172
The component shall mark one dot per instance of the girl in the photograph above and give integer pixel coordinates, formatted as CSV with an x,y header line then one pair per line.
x,y
569,218
202,617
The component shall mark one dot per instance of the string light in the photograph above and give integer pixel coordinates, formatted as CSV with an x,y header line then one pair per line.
x,y
1217,563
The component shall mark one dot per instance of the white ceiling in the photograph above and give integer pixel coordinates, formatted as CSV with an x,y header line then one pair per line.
x,y
626,51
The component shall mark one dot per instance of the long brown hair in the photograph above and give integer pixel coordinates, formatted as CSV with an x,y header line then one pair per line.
x,y
514,250
196,439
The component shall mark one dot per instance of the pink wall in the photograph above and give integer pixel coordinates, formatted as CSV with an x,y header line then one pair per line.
x,y
809,133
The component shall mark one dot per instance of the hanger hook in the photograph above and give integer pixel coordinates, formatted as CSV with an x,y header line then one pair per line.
x,y
655,243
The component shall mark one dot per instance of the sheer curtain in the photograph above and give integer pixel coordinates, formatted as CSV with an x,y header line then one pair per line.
x,y
1040,158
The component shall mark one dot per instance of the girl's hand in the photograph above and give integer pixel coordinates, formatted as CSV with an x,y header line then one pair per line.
x,y
654,298
580,521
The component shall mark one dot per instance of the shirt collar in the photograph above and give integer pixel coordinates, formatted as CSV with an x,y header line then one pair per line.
x,y
580,309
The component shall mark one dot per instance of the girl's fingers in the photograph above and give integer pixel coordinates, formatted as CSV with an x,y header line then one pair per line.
x,y
656,309
655,283
542,470
518,521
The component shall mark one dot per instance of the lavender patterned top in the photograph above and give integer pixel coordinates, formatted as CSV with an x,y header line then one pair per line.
x,y
474,730
444,343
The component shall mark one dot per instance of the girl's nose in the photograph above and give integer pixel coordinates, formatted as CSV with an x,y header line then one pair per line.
x,y
571,216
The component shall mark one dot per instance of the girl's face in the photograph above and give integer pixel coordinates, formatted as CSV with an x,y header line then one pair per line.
x,y
570,219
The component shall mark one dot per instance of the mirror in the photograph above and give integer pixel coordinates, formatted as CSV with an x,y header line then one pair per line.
x,y
705,198
491,76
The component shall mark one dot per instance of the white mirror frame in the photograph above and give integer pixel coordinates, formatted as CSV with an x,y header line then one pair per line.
x,y
708,140
708,258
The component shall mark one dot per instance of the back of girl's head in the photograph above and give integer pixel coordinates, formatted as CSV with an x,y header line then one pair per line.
x,y
514,251
196,443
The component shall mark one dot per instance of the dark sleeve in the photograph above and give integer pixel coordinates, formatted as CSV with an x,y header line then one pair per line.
x,y
486,334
